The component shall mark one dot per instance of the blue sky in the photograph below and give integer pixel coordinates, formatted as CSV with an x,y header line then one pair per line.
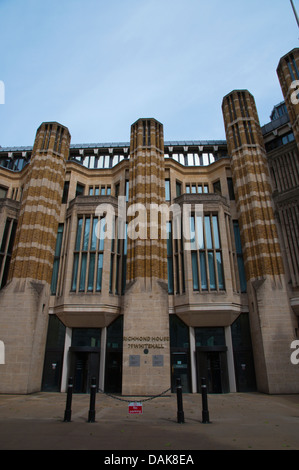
x,y
97,66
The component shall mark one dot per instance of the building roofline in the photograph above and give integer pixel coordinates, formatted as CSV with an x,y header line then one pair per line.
x,y
236,91
286,55
169,143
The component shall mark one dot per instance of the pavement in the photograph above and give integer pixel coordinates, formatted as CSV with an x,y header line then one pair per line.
x,y
247,421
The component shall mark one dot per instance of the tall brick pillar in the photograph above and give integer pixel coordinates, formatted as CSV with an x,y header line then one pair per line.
x,y
24,300
271,317
288,74
146,353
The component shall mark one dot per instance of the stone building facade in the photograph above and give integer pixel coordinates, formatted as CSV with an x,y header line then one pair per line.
x,y
146,261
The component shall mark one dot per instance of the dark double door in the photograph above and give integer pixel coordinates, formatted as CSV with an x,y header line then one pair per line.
x,y
212,365
85,364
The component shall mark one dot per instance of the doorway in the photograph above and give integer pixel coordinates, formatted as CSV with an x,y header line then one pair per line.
x,y
84,365
212,364
180,353
53,361
243,354
180,369
52,371
113,373
114,355
245,374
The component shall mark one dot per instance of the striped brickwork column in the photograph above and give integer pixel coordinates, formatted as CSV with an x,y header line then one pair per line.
x,y
262,254
24,302
271,318
288,74
39,215
146,345
147,257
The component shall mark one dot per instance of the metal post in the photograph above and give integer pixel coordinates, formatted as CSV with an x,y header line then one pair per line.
x,y
180,413
204,396
68,407
92,410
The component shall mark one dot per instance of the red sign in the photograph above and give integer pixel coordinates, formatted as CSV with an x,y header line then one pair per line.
x,y
135,408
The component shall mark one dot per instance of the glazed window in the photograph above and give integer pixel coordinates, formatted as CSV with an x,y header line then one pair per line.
x,y
178,188
217,187
197,188
231,191
80,189
88,254
3,192
240,261
169,258
94,190
206,253
175,259
167,190
6,249
124,261
65,192
118,260
127,189
57,259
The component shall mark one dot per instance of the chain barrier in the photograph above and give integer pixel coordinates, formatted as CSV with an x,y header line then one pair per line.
x,y
92,411
129,401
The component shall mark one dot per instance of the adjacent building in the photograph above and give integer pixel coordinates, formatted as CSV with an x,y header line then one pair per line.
x,y
145,261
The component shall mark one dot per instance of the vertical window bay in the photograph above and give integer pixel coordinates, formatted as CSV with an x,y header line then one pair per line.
x,y
206,255
88,255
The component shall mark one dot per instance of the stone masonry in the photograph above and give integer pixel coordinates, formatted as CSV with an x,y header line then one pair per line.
x,y
25,299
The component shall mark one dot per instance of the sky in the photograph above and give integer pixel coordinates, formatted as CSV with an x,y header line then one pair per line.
x,y
96,66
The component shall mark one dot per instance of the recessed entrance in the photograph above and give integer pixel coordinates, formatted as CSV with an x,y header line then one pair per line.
x,y
84,365
212,364
114,349
113,375
180,353
85,357
180,369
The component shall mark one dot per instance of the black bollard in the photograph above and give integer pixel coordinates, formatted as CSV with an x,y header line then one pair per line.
x,y
68,407
204,396
179,393
92,410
